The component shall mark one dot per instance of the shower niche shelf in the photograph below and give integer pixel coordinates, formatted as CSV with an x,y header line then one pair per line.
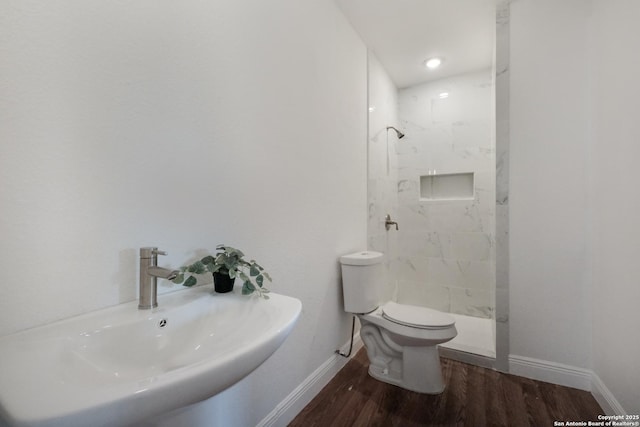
x,y
454,186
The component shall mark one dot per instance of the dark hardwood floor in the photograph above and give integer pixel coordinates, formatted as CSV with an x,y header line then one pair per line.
x,y
474,397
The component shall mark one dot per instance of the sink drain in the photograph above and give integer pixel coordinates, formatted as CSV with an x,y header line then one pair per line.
x,y
162,323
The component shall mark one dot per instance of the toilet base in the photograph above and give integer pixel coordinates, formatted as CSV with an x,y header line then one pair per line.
x,y
415,368
420,373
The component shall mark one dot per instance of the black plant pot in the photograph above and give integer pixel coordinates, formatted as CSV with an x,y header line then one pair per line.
x,y
222,283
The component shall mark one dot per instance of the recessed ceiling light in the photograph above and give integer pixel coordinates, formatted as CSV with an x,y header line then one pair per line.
x,y
433,63
443,95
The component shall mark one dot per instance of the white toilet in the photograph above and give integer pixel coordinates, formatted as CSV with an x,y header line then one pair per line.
x,y
401,340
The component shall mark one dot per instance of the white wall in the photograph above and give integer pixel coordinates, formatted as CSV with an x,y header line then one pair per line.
x,y
616,199
575,141
181,125
549,270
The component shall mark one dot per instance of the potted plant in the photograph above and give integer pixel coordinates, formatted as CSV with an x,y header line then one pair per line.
x,y
227,264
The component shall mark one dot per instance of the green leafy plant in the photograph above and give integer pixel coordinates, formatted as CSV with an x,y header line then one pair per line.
x,y
229,261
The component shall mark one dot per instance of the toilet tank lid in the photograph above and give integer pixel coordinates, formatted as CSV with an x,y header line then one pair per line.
x,y
362,258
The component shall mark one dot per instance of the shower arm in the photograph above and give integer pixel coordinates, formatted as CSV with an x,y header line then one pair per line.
x,y
400,134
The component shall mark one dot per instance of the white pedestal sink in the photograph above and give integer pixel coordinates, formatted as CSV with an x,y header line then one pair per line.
x,y
121,365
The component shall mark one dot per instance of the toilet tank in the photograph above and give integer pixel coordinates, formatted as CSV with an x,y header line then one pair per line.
x,y
363,278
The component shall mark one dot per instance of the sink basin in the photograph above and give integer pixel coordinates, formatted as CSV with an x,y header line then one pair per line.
x,y
121,365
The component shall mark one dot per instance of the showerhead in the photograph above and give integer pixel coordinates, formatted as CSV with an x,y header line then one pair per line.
x,y
400,134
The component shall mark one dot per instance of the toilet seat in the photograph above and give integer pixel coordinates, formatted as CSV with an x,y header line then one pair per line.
x,y
416,317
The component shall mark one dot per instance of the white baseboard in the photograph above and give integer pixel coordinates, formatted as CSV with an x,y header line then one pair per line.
x,y
550,372
569,376
295,402
605,398
541,370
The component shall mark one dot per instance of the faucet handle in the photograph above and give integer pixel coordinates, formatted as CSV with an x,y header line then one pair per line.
x,y
388,223
150,252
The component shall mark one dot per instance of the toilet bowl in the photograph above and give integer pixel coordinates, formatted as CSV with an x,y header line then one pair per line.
x,y
401,340
406,354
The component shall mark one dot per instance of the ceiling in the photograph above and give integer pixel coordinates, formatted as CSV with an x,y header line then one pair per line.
x,y
404,33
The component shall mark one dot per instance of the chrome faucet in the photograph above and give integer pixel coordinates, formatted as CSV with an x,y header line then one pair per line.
x,y
149,273
388,223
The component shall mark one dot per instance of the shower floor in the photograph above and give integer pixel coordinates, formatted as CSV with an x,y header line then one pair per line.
x,y
475,335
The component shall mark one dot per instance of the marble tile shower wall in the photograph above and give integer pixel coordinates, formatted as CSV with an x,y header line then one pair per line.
x,y
502,76
382,195
382,200
446,248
